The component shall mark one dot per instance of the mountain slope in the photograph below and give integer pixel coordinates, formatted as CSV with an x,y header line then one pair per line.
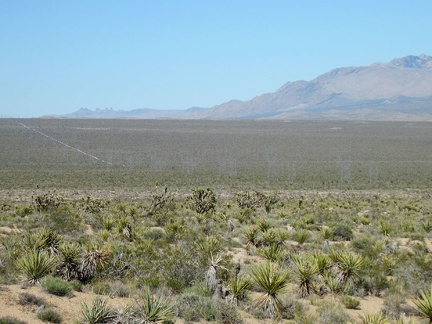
x,y
379,91
397,90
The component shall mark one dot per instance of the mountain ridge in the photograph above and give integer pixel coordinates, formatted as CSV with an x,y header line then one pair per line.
x,y
397,90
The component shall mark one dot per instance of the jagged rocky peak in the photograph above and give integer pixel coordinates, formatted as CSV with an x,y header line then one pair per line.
x,y
413,62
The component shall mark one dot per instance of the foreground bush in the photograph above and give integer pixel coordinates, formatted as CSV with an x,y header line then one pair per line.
x,y
49,315
10,320
56,286
193,307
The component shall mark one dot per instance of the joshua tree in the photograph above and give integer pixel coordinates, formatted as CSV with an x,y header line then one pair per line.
x,y
91,261
210,276
274,283
202,201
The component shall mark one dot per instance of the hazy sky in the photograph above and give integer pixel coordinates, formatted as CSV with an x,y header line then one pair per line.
x,y
59,56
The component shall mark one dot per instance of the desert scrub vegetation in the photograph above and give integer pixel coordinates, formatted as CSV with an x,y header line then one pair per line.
x,y
300,155
203,254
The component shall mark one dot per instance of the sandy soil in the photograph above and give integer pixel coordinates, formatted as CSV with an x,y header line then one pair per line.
x,y
68,308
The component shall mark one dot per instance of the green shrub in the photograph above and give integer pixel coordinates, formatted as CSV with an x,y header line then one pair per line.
x,y
227,313
101,288
350,302
154,234
332,313
10,320
56,286
192,307
76,285
49,315
120,290
342,232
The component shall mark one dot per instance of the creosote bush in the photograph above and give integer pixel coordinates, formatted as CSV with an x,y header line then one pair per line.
x,y
49,315
56,286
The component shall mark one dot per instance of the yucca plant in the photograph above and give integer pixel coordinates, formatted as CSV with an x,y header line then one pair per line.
x,y
36,264
305,271
274,252
322,262
263,224
269,237
274,282
239,288
210,276
49,240
97,312
251,234
424,304
349,265
373,319
70,255
155,309
301,236
334,284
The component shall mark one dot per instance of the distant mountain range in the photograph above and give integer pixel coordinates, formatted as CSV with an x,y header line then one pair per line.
x,y
397,90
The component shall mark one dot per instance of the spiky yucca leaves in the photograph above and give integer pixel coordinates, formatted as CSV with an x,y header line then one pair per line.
x,y
349,265
49,240
251,234
36,264
273,253
322,262
305,272
97,312
239,288
46,239
155,309
424,304
274,282
301,236
373,319
334,284
263,224
70,255
269,237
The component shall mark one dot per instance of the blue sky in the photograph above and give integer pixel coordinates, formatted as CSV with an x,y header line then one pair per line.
x,y
59,56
